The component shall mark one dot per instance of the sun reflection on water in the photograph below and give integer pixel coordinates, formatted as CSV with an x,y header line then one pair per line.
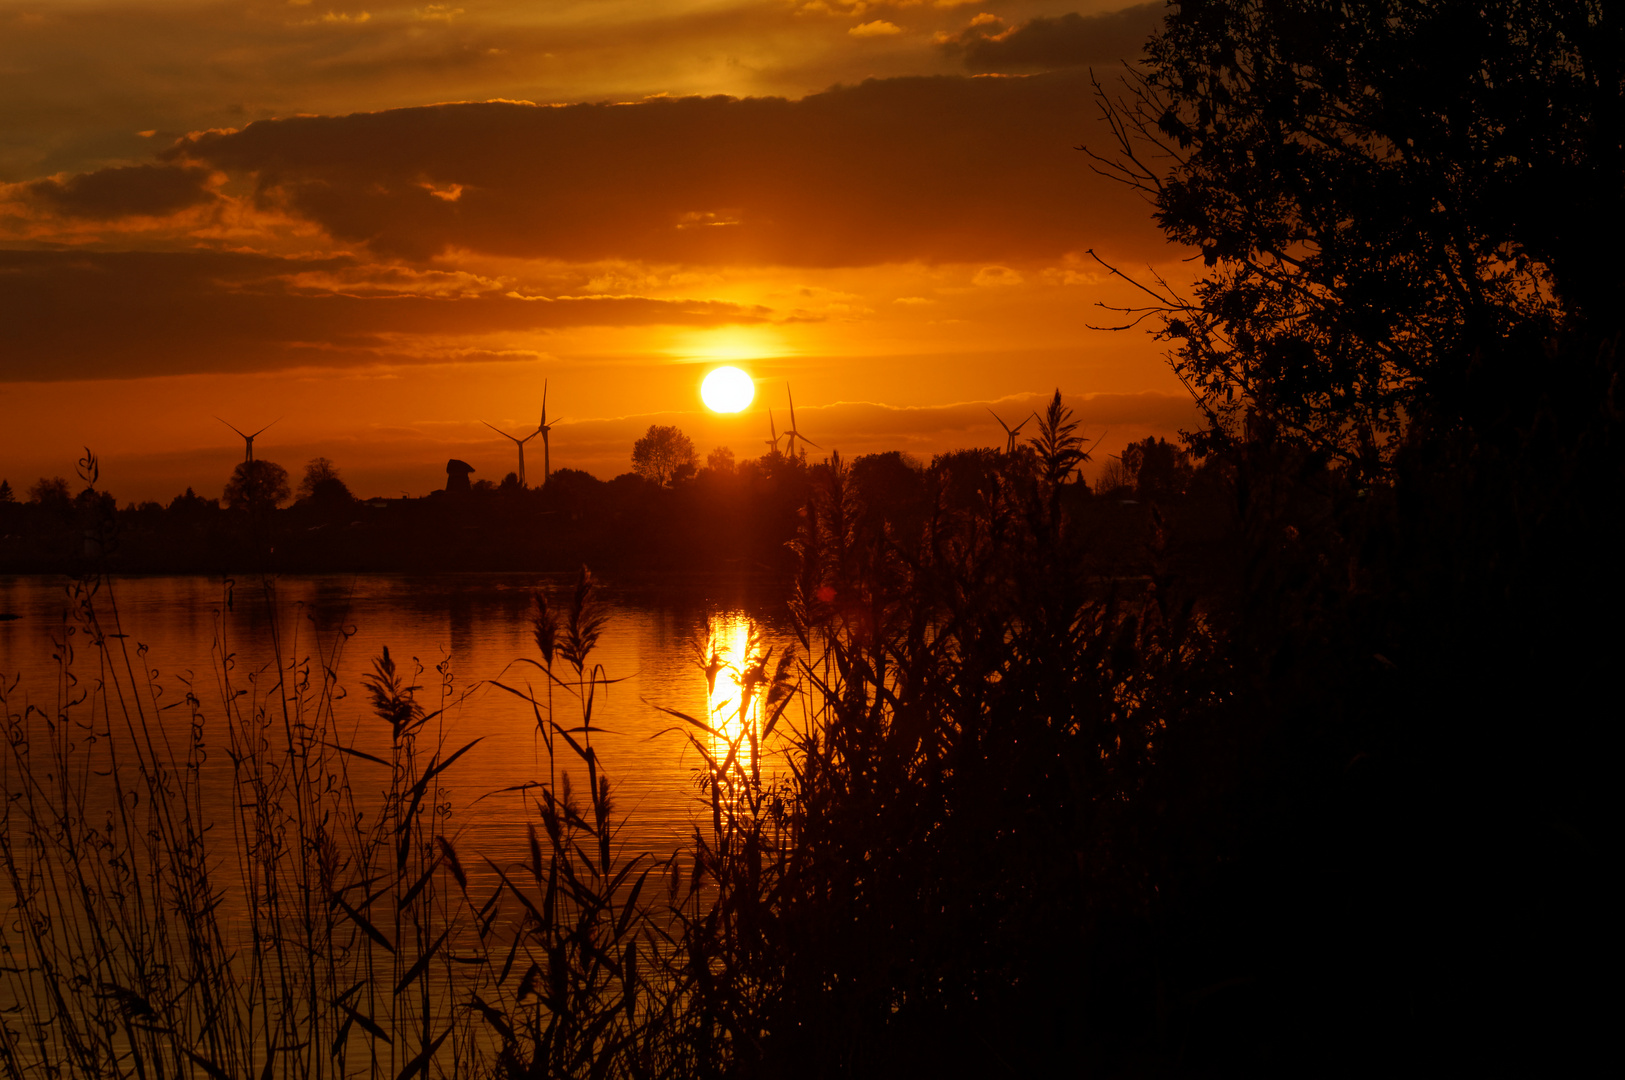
x,y
733,661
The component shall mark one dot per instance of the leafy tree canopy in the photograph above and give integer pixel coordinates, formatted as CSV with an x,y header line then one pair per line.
x,y
322,484
192,503
1397,202
720,460
50,491
662,453
257,485
1156,467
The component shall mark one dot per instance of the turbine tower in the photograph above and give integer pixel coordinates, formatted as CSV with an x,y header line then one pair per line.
x,y
248,440
1011,432
542,429
792,434
772,443
517,441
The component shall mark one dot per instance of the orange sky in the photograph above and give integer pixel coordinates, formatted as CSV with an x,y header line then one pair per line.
x,y
384,223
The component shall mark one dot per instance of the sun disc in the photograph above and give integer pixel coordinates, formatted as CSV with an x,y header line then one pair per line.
x,y
727,390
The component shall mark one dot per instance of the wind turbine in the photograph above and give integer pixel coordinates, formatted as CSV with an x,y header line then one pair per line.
x,y
792,434
542,429
1011,432
773,431
517,441
249,439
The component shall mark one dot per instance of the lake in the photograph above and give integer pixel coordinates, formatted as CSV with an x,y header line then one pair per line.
x,y
467,633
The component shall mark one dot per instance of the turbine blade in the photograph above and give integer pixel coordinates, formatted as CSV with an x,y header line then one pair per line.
x,y
498,430
234,428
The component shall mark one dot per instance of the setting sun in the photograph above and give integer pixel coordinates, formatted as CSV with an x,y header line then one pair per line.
x,y
727,390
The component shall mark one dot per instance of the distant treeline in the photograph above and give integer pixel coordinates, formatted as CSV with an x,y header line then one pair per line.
x,y
723,516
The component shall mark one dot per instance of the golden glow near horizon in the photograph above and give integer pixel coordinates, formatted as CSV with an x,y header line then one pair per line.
x,y
727,390
813,217
726,344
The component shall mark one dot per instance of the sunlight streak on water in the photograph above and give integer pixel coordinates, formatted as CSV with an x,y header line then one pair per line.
x,y
732,640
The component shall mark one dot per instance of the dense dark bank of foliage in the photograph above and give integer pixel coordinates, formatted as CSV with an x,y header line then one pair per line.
x,y
712,521
738,518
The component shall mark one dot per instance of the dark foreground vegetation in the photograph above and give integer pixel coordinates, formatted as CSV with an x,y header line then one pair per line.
x,y
1330,799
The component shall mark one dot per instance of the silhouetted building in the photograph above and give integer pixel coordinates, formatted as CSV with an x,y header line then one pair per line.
x,y
457,472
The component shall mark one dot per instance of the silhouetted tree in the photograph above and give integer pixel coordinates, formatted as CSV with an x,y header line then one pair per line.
x,y
323,488
318,470
257,485
89,499
1396,202
575,478
51,491
5,492
661,453
1115,477
1157,468
891,489
720,460
968,479
191,504
1405,340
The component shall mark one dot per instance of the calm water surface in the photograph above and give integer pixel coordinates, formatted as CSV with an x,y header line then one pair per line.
x,y
474,627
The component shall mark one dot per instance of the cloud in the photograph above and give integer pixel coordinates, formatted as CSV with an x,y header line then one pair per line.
x,y
989,276
1044,43
86,315
125,191
84,77
936,169
878,28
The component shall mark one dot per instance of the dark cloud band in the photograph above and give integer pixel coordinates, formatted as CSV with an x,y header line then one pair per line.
x,y
125,191
896,170
85,315
1045,44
